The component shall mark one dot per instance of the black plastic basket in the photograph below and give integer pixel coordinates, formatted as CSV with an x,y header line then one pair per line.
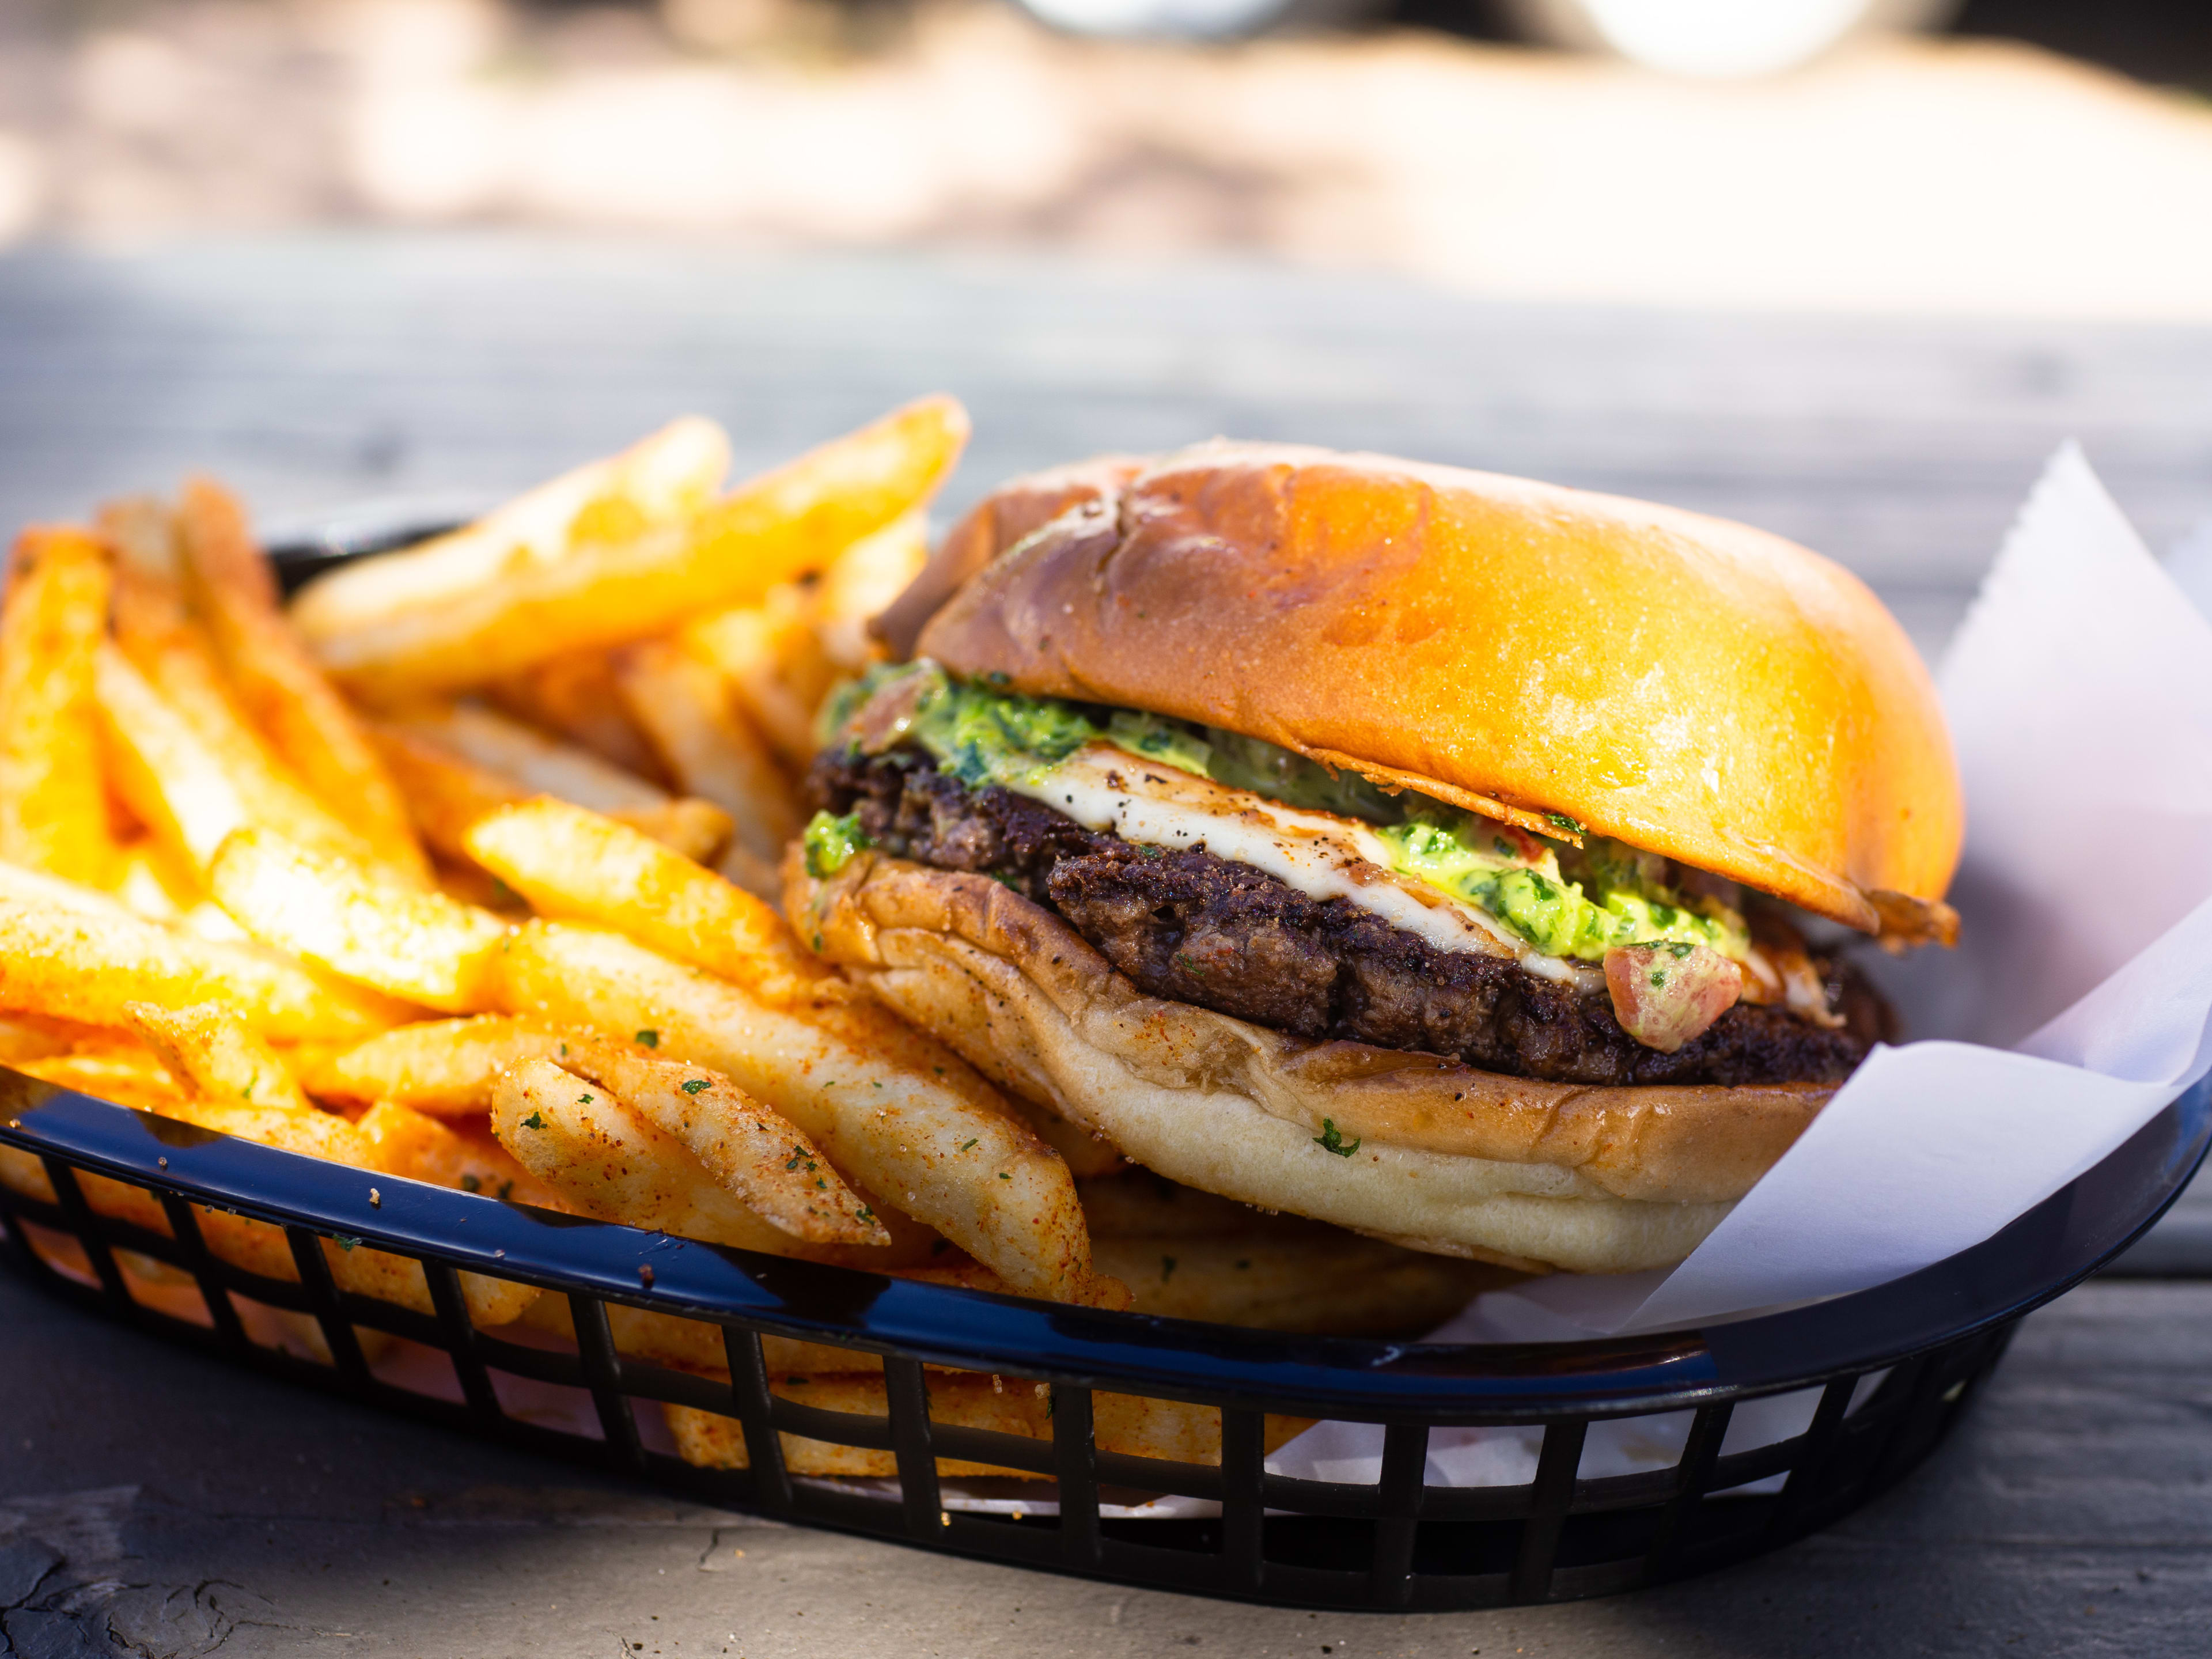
x,y
1895,1367
1394,1544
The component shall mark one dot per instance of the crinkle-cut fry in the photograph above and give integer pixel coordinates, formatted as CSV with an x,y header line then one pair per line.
x,y
774,663
980,1176
144,533
608,591
179,664
577,866
1130,1425
214,1050
756,1153
73,953
576,698
343,917
279,685
410,1143
863,580
53,797
532,764
667,476
683,706
444,1067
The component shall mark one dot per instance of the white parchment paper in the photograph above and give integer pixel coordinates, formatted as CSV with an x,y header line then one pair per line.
x,y
2078,692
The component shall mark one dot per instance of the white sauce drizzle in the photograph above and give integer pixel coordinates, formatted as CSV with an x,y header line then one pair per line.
x,y
1322,855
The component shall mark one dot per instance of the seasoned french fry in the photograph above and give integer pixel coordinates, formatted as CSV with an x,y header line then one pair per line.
x,y
537,765
455,1066
407,1143
610,591
53,803
863,580
576,697
683,704
75,954
576,865
666,478
170,779
213,1050
179,664
422,946
279,686
445,793
754,1152
126,1077
774,663
143,535
446,1067
573,1136
980,1176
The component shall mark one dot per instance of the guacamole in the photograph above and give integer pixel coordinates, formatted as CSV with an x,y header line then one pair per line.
x,y
1564,900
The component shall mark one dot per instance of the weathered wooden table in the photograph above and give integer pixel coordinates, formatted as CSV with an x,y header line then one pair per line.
x,y
153,1503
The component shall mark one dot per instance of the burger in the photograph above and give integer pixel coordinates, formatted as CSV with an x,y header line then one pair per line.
x,y
1468,862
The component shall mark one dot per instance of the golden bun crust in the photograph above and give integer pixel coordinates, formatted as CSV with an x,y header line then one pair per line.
x,y
1524,1173
1691,686
1016,509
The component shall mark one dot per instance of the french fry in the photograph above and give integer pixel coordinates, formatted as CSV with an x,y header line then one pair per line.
x,y
862,581
123,1077
774,665
178,663
683,704
214,1051
978,1175
454,1068
577,866
170,778
607,1162
75,954
279,686
408,1143
53,801
422,946
754,1152
445,793
576,698
143,535
609,591
662,480
535,764
446,1067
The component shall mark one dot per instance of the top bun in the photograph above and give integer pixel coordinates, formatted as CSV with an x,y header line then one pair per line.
x,y
1688,685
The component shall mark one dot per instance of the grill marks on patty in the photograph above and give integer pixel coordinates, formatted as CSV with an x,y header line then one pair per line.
x,y
1188,926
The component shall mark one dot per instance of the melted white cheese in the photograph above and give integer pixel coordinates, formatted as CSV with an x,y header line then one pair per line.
x,y
1322,855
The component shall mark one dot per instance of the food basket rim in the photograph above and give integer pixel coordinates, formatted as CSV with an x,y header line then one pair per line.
x,y
2038,1256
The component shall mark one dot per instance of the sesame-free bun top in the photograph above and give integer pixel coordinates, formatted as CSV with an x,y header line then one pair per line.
x,y
1691,686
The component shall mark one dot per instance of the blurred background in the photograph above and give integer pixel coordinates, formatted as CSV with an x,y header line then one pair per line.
x,y
2016,157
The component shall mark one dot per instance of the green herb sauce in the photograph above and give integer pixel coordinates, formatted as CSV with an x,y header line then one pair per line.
x,y
1566,902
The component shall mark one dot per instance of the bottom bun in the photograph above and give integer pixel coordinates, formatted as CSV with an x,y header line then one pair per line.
x,y
1428,1152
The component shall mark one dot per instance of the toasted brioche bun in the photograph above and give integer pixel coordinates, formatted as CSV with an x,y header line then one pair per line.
x,y
1459,1162
1691,686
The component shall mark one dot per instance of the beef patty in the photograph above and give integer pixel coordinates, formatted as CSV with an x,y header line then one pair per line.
x,y
1195,928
